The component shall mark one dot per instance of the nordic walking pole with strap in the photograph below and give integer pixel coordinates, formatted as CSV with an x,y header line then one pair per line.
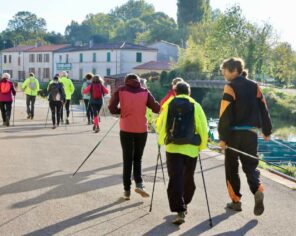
x,y
206,194
250,156
72,111
96,146
13,111
156,167
46,117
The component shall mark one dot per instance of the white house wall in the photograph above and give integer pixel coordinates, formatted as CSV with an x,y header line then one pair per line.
x,y
122,61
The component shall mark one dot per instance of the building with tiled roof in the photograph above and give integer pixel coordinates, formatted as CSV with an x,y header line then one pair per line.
x,y
104,59
153,66
19,61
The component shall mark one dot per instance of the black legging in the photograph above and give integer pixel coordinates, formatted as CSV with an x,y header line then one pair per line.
x,y
56,110
5,110
88,109
133,145
30,102
67,106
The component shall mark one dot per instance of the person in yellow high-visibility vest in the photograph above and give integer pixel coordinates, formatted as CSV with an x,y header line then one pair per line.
x,y
69,90
30,88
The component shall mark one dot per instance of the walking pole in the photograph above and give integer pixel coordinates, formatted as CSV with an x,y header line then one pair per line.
x,y
206,194
72,112
161,164
96,146
13,112
46,117
250,156
158,156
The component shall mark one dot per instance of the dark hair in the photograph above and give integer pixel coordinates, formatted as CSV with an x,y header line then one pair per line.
x,y
97,79
56,78
132,77
89,76
235,63
182,88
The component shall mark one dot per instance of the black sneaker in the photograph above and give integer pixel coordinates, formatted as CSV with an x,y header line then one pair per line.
x,y
7,123
235,206
180,218
29,116
67,121
89,123
259,206
127,195
53,127
97,129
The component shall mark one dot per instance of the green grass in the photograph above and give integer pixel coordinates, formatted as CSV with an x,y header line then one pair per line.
x,y
290,170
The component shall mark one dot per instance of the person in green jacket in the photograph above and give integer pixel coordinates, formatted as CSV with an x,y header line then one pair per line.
x,y
69,90
31,88
182,127
86,97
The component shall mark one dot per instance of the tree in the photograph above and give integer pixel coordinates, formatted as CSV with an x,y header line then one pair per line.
x,y
54,38
192,11
28,25
132,9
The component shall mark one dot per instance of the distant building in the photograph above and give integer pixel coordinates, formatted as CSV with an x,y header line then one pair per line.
x,y
153,66
21,60
104,59
13,62
166,51
40,60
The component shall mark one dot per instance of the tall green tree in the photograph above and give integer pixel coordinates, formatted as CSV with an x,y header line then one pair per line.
x,y
132,9
28,25
192,11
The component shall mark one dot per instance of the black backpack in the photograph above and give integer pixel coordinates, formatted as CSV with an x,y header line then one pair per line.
x,y
180,128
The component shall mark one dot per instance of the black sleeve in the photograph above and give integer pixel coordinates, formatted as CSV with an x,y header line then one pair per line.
x,y
265,116
226,113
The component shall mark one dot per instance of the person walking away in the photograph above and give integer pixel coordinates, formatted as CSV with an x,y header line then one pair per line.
x,y
97,92
31,89
56,97
171,92
133,100
86,98
182,128
243,111
7,90
69,90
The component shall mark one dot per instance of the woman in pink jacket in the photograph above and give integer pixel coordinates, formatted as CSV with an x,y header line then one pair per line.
x,y
133,100
7,90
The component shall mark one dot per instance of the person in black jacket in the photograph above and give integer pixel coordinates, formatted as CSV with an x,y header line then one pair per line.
x,y
56,97
243,111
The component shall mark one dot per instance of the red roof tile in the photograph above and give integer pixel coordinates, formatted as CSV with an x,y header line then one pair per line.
x,y
155,65
48,48
20,48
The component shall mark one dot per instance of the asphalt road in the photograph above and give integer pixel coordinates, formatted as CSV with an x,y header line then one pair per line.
x,y
39,196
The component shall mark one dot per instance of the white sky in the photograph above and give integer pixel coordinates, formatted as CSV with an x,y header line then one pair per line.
x,y
59,13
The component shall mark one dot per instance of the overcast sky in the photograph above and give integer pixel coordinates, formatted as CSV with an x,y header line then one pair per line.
x,y
59,13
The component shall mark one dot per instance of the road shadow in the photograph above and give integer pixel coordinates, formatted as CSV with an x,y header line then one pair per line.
x,y
205,226
54,134
164,228
87,216
61,185
242,231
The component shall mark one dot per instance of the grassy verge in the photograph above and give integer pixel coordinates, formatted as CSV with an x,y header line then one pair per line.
x,y
290,170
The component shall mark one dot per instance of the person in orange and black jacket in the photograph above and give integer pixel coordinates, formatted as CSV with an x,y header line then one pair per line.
x,y
243,111
7,91
133,100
